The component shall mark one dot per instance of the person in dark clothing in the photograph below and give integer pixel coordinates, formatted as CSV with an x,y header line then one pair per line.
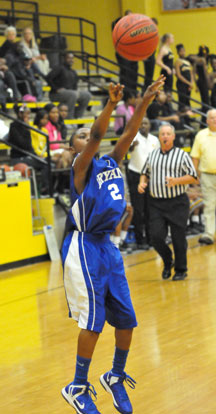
x,y
167,171
9,81
10,48
185,78
165,60
149,65
63,81
28,82
128,69
160,111
212,80
200,62
20,135
63,114
202,75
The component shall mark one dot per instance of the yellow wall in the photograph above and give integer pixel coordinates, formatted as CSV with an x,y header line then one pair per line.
x,y
189,27
101,12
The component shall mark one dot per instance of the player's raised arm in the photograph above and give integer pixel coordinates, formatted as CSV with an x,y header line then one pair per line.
x,y
133,125
97,132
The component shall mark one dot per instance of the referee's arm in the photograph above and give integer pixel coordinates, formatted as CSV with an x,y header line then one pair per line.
x,y
185,179
144,177
143,183
190,176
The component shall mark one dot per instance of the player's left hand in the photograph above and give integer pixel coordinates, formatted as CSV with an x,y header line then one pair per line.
x,y
115,92
170,181
153,89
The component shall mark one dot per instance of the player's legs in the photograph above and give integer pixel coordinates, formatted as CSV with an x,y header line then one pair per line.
x,y
113,380
121,315
78,392
123,338
86,343
85,296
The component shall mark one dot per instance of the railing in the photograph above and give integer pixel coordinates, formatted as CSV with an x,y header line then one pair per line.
x,y
42,161
39,22
46,162
12,8
101,65
87,59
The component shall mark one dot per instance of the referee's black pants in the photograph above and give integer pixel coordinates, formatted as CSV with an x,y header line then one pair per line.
x,y
171,212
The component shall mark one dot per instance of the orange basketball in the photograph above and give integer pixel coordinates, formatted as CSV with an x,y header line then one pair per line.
x,y
23,168
6,167
135,37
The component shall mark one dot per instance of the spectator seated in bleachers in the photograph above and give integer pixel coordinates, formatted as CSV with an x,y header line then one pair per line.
x,y
8,85
162,111
39,142
29,84
10,48
64,88
159,112
60,152
20,136
31,49
126,110
63,114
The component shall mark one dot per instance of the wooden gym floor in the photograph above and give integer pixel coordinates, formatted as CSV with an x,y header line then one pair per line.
x,y
173,354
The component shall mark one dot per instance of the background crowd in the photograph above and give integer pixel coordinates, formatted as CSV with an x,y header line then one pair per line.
x,y
24,70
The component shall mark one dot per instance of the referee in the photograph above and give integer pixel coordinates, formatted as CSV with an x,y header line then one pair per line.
x,y
168,170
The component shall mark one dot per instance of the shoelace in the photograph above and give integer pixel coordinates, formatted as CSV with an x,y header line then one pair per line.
x,y
129,381
91,390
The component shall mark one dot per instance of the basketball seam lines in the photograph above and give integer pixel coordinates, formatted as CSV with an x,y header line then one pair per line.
x,y
134,43
131,27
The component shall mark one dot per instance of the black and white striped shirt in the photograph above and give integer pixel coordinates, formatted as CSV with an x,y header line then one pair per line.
x,y
159,165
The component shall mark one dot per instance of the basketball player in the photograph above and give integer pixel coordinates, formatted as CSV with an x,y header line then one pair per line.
x,y
94,278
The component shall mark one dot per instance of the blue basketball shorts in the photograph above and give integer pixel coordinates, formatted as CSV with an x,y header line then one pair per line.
x,y
95,283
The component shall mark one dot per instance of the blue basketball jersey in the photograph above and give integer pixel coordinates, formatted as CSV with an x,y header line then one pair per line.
x,y
101,205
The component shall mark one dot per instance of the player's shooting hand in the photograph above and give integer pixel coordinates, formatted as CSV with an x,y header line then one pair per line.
x,y
153,89
141,187
115,92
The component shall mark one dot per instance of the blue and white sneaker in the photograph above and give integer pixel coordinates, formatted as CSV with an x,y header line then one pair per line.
x,y
79,396
114,385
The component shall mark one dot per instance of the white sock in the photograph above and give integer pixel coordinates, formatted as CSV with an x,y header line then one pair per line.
x,y
188,222
195,219
116,240
112,237
123,235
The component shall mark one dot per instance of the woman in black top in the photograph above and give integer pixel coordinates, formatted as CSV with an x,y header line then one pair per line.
x,y
165,60
185,78
212,81
20,136
200,62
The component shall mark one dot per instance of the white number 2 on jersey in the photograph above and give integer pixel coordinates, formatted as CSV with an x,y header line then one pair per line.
x,y
114,192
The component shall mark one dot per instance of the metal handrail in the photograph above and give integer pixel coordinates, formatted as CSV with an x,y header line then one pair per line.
x,y
26,15
85,57
48,162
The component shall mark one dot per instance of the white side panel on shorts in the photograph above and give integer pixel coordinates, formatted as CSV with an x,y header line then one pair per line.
x,y
76,214
75,285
